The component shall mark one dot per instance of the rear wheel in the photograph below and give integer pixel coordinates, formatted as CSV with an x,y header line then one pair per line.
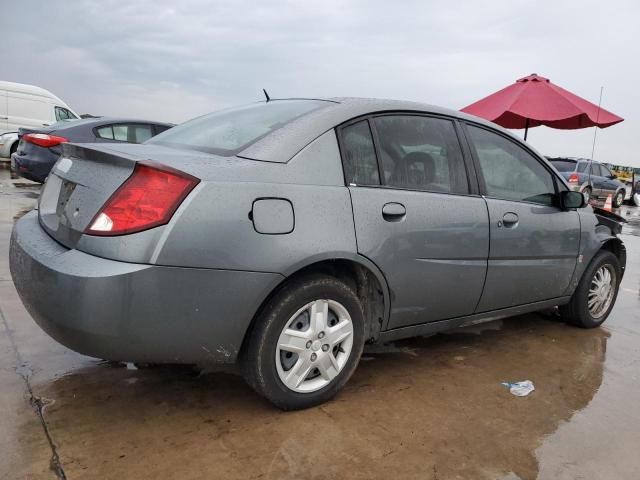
x,y
587,192
618,200
596,293
306,342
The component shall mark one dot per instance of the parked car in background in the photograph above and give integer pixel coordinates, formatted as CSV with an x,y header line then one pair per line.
x,y
27,106
590,177
285,234
39,148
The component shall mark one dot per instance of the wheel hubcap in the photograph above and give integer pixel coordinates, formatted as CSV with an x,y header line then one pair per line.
x,y
602,290
314,346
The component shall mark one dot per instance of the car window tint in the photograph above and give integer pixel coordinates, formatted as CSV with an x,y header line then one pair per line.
x,y
421,153
139,133
510,172
360,165
605,171
582,167
105,132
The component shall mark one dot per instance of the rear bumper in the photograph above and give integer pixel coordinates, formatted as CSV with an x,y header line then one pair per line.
x,y
32,169
133,312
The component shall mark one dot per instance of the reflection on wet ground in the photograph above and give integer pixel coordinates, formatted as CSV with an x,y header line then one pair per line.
x,y
422,408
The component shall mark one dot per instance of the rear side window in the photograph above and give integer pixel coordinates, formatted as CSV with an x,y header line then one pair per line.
x,y
131,133
421,153
230,131
509,171
105,132
582,167
360,165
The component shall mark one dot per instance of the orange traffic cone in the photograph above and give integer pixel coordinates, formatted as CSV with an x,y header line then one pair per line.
x,y
608,204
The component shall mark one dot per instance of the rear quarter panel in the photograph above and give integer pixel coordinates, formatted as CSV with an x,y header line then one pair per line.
x,y
216,230
213,227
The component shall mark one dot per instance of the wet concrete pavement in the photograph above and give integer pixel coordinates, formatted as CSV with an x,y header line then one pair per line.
x,y
427,408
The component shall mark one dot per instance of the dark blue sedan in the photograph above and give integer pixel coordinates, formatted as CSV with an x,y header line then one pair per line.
x,y
39,149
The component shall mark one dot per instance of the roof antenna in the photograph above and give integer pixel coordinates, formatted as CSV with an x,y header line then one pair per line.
x,y
266,95
595,133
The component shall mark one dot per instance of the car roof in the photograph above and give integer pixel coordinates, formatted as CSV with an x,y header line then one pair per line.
x,y
283,143
28,89
571,159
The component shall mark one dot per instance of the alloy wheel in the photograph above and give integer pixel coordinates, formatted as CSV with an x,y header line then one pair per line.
x,y
602,291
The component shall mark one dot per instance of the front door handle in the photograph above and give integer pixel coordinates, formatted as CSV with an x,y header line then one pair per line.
x,y
509,220
392,212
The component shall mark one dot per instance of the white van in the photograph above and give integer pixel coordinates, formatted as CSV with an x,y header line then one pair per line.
x,y
27,106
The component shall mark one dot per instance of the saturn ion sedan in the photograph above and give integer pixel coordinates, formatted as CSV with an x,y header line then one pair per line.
x,y
284,235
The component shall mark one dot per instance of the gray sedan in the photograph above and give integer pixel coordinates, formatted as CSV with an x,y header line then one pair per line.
x,y
286,234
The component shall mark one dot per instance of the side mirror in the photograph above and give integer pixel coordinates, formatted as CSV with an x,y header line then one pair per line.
x,y
613,177
570,199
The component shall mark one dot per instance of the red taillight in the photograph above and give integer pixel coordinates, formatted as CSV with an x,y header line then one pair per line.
x,y
148,198
573,178
44,140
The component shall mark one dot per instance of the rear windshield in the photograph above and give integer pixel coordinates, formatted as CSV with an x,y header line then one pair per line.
x,y
564,165
230,131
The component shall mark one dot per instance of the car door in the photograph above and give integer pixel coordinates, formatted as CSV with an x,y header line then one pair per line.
x,y
416,214
534,244
609,184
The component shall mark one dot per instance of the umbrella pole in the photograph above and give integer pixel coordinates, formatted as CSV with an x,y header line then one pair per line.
x,y
526,129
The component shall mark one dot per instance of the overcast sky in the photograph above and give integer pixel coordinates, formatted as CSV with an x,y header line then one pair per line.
x,y
173,60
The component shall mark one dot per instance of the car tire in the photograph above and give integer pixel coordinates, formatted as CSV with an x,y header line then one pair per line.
x,y
578,312
587,191
300,370
618,199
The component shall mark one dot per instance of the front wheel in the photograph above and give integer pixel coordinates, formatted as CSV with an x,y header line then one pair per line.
x,y
306,342
619,199
596,293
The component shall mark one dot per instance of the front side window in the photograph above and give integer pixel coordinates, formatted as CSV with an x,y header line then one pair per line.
x,y
360,164
605,171
509,171
62,114
421,153
140,133
230,131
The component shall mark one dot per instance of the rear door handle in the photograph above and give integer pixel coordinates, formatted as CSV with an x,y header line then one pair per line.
x,y
392,212
509,220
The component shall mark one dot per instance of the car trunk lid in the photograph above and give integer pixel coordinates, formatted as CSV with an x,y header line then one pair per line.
x,y
80,183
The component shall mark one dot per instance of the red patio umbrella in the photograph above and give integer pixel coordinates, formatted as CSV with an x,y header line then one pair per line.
x,y
533,101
